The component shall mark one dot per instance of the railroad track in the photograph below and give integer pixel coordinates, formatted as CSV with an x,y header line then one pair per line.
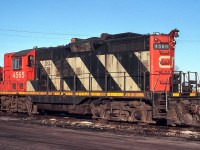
x,y
86,123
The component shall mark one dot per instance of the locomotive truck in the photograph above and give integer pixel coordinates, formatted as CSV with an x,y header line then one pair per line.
x,y
121,77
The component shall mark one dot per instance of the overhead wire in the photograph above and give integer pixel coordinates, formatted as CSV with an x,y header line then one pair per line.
x,y
188,41
39,32
25,36
59,34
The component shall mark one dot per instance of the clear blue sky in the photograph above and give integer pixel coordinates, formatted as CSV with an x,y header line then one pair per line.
x,y
84,18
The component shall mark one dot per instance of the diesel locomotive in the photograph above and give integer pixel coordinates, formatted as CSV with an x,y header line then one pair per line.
x,y
122,77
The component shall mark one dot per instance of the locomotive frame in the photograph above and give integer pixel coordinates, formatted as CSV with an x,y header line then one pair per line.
x,y
122,77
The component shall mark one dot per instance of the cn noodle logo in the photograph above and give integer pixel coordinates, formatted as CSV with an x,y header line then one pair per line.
x,y
171,64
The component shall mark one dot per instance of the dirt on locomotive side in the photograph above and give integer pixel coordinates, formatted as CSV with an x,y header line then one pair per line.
x,y
119,128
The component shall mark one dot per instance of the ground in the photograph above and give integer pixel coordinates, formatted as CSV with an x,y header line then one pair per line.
x,y
17,135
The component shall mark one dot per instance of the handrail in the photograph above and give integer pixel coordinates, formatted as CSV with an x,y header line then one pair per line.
x,y
156,82
166,97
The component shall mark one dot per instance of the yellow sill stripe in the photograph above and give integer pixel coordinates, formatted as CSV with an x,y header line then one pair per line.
x,y
89,94
78,93
115,94
193,94
135,94
97,94
178,94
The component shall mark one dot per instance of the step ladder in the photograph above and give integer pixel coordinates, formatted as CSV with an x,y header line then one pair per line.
x,y
160,106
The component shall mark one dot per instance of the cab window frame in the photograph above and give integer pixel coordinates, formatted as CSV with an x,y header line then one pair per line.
x,y
31,60
16,63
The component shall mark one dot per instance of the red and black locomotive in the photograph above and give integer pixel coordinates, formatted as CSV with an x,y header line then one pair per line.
x,y
123,77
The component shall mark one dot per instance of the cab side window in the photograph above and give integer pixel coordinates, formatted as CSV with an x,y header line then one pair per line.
x,y
16,63
30,60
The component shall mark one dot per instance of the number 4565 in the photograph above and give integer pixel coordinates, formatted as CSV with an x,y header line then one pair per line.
x,y
18,74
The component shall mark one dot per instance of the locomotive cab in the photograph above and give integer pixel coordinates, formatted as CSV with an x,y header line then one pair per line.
x,y
18,68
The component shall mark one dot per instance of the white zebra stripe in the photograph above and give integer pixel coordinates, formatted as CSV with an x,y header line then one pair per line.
x,y
117,72
29,87
53,74
144,58
83,74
